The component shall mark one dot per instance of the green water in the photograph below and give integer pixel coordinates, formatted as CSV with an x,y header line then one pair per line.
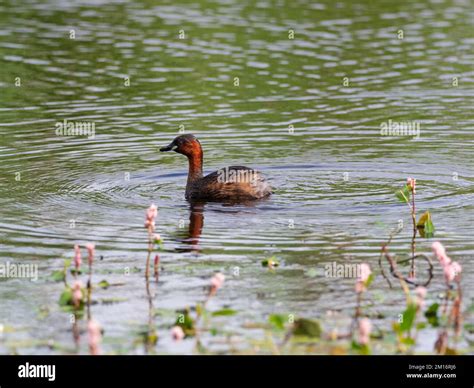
x,y
306,111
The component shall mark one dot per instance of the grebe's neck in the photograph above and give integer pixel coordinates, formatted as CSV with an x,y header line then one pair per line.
x,y
195,167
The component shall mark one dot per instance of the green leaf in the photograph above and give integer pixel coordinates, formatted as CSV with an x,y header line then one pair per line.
x,y
369,280
404,194
152,337
451,352
272,262
199,309
421,325
396,327
469,327
408,317
112,300
58,276
307,327
408,341
186,322
104,284
429,229
355,345
425,225
277,321
66,297
431,315
361,349
424,217
224,312
65,300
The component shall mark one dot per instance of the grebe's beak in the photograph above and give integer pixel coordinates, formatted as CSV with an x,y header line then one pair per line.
x,y
170,147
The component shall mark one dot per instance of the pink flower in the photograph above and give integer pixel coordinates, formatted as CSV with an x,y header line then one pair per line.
x,y
452,271
438,249
95,336
444,260
177,333
365,327
448,274
364,275
420,296
77,256
412,183
90,251
217,281
77,293
440,253
457,269
151,212
157,237
421,292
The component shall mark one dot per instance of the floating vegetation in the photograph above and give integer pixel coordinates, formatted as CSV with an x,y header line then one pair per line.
x,y
271,263
426,229
285,333
77,298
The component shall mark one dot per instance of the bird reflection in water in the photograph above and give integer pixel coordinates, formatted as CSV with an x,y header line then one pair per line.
x,y
190,241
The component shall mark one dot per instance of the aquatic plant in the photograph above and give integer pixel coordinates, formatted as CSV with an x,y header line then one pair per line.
x,y
90,260
77,259
365,327
188,323
270,263
74,298
217,281
77,295
361,324
153,238
406,328
150,335
94,336
424,225
452,318
177,333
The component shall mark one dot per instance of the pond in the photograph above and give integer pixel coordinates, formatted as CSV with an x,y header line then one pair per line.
x,y
336,103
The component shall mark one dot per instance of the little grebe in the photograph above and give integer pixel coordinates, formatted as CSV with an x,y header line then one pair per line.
x,y
230,183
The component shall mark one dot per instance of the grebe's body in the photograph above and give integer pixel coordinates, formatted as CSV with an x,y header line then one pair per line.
x,y
228,184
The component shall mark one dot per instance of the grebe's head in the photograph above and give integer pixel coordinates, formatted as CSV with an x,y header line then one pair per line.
x,y
184,144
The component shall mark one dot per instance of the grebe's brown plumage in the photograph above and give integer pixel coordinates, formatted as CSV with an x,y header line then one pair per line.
x,y
230,183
